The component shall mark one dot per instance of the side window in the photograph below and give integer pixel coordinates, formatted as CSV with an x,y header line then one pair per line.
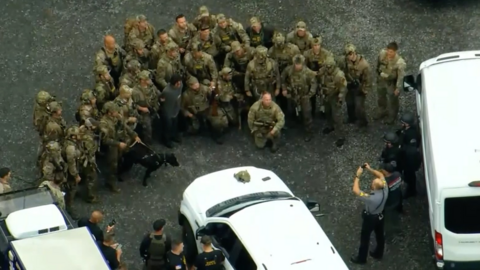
x,y
237,255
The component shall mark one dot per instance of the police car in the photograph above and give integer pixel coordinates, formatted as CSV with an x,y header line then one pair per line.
x,y
37,234
258,224
447,95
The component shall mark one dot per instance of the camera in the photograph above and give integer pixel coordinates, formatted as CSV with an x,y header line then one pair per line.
x,y
112,223
364,166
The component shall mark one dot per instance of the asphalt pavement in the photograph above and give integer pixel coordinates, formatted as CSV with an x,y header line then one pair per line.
x,y
51,45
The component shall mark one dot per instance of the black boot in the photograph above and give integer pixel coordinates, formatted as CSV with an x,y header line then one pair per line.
x,y
217,136
328,130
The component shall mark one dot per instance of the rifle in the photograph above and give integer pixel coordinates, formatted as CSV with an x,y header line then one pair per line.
x,y
214,101
264,124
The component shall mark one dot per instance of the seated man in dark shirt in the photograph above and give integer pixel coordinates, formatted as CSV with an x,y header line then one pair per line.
x,y
209,259
394,204
175,258
110,254
92,224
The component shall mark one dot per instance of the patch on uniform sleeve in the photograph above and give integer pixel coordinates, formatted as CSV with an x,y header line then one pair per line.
x,y
363,194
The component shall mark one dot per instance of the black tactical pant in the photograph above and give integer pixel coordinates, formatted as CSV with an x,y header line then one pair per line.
x,y
371,223
410,178
170,128
355,100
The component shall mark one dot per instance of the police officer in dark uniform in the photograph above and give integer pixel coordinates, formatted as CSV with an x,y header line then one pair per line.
x,y
410,142
209,259
372,214
392,153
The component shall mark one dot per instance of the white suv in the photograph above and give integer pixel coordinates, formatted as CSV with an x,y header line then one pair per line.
x,y
259,224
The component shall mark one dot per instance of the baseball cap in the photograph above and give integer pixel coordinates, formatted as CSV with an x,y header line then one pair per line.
x,y
388,167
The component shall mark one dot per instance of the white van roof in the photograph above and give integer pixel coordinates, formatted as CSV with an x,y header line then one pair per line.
x,y
34,221
73,249
452,105
285,235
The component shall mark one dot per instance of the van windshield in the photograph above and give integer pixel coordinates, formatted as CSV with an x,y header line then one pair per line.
x,y
461,215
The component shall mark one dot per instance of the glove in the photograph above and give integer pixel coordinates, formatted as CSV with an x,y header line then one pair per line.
x,y
384,75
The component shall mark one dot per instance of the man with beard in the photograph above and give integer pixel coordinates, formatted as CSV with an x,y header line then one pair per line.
x,y
209,44
142,30
159,49
201,66
259,34
182,33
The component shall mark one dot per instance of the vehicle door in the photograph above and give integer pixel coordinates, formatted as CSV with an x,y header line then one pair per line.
x,y
225,239
460,236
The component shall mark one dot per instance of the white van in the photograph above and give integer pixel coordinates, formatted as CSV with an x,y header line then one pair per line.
x,y
448,107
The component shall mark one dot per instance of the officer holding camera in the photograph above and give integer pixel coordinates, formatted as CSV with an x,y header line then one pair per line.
x,y
372,214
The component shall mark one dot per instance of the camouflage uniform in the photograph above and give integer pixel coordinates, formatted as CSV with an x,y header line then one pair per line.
x,y
127,108
88,169
210,44
359,83
262,120
88,106
196,102
139,53
114,130
40,112
55,126
55,190
238,59
168,65
52,164
390,78
282,52
303,43
146,95
333,85
159,49
73,155
182,37
232,32
262,74
147,36
105,88
225,93
201,67
113,60
301,86
203,12
129,77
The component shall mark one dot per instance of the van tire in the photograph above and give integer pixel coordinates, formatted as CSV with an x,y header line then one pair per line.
x,y
188,238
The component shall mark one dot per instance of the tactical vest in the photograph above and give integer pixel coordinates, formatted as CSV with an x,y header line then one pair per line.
x,y
228,35
298,82
353,69
316,61
61,124
150,96
265,114
199,69
114,59
387,66
263,74
157,248
240,63
185,37
199,100
86,111
89,145
302,42
328,84
226,90
146,36
105,91
283,56
256,38
78,153
125,107
208,45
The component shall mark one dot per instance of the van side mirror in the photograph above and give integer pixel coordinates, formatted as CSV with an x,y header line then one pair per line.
x,y
312,205
409,84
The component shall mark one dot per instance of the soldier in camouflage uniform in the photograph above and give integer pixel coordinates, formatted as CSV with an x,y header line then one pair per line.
x,y
262,75
315,60
88,106
229,31
238,59
225,94
73,155
182,33
147,98
334,89
195,105
111,55
129,77
55,126
139,53
159,48
105,88
88,167
359,82
127,108
52,164
299,84
40,112
390,70
201,66
300,37
168,65
54,184
209,44
266,120
205,18
142,30
117,136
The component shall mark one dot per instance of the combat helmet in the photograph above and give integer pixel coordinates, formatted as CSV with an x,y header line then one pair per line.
x,y
316,41
102,70
171,46
390,137
53,146
242,176
261,51
144,75
298,59
54,106
225,71
125,89
350,48
329,61
73,131
408,118
133,65
87,96
138,44
110,106
236,46
43,98
278,38
203,11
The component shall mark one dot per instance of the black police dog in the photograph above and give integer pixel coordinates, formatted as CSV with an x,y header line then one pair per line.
x,y
141,154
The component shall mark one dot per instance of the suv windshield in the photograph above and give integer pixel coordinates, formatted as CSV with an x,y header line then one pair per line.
x,y
461,213
23,199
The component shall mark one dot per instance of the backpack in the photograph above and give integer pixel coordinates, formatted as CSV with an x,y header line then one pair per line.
x,y
127,28
157,248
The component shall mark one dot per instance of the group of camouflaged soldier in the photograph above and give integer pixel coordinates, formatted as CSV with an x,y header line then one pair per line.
x,y
206,76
